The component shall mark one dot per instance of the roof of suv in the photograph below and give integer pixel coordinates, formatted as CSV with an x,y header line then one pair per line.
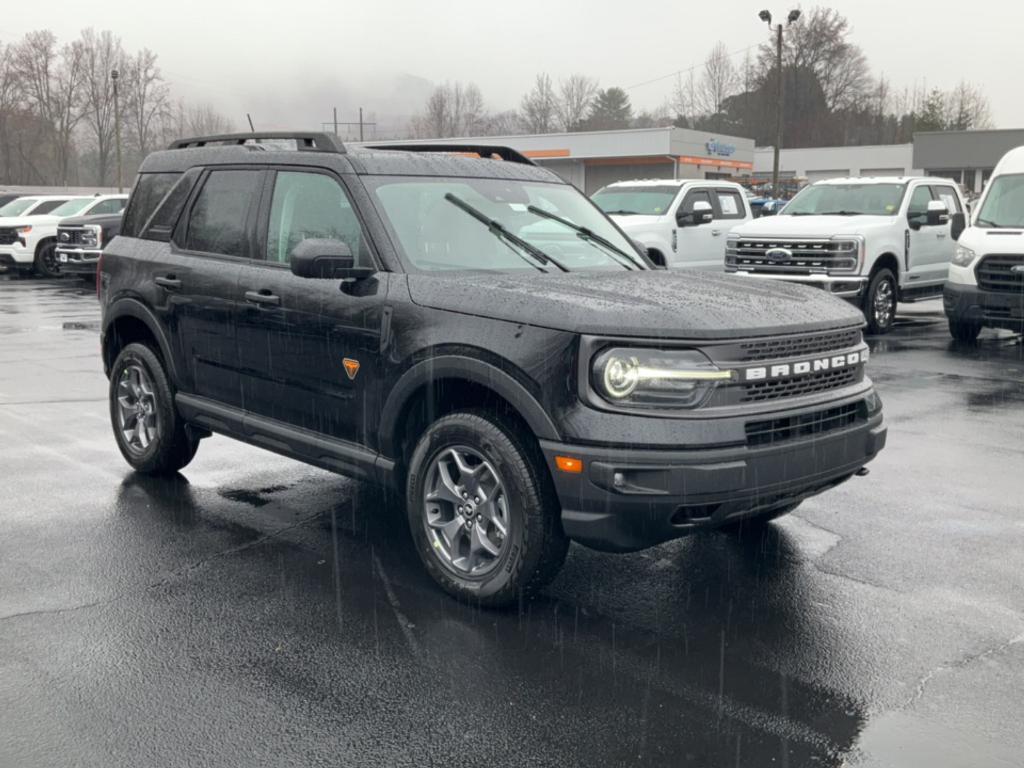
x,y
669,183
849,180
1012,162
437,160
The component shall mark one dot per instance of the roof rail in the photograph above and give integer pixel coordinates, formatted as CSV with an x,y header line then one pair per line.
x,y
486,151
306,142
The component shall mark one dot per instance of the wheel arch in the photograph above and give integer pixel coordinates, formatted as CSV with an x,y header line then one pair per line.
x,y
128,321
887,259
437,386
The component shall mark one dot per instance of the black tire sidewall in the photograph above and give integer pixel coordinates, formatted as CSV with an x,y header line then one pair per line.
x,y
160,453
869,301
40,265
964,331
517,560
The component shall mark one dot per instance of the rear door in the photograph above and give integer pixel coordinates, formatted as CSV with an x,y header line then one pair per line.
x,y
210,246
310,348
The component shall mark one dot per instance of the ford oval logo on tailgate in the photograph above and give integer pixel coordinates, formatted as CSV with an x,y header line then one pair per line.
x,y
778,254
1017,268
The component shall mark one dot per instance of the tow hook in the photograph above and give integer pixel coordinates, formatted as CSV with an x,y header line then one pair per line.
x,y
863,472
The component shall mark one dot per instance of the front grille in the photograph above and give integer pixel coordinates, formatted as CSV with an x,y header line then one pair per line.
x,y
774,431
798,346
995,273
797,386
69,235
793,256
8,235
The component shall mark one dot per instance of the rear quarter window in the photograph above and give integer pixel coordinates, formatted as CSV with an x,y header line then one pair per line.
x,y
150,189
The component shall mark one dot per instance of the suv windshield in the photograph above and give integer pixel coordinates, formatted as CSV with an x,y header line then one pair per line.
x,y
435,233
636,201
1004,203
72,207
19,206
847,200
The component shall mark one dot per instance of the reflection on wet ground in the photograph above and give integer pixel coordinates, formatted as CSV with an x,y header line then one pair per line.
x,y
255,611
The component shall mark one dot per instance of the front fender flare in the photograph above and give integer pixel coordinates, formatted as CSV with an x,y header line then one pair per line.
x,y
468,369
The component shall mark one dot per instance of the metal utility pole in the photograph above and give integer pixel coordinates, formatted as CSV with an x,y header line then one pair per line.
x,y
360,123
335,121
766,17
114,75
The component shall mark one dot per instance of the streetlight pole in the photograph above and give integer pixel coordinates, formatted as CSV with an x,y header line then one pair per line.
x,y
766,17
114,75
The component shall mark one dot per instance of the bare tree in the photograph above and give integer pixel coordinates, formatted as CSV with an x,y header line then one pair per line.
x,y
683,100
577,95
10,97
451,110
967,108
505,123
540,106
718,81
146,100
101,55
52,79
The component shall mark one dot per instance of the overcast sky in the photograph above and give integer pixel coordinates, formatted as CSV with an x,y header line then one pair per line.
x,y
289,63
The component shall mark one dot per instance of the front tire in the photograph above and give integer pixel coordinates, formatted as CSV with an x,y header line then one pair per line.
x,y
482,509
964,332
880,302
148,430
46,264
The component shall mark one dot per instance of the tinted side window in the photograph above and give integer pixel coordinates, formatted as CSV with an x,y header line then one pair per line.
x,y
919,201
696,196
311,205
107,206
217,220
730,204
162,222
149,190
948,196
46,207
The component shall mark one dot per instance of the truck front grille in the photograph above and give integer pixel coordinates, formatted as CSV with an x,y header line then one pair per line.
x,y
798,346
69,235
774,431
8,235
798,386
996,273
792,256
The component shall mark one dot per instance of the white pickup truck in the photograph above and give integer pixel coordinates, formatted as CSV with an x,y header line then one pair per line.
x,y
873,241
681,223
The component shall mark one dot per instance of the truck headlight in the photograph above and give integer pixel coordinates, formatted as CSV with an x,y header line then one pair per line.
x,y
23,230
656,378
964,257
91,236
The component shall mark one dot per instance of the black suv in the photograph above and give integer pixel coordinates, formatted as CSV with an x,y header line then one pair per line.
x,y
466,327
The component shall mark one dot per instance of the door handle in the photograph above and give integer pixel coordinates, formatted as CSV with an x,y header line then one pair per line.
x,y
716,232
262,298
170,282
941,235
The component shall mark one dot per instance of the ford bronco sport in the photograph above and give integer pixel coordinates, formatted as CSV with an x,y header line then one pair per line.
x,y
460,324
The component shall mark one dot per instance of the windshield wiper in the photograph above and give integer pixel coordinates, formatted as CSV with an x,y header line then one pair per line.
x,y
621,213
989,224
842,213
499,230
586,234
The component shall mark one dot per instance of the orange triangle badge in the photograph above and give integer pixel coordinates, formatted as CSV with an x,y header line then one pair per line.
x,y
351,367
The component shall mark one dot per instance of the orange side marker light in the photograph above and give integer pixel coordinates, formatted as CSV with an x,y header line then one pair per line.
x,y
569,464
351,367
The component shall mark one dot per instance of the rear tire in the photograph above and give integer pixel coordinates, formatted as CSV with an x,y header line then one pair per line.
x,y
46,264
965,332
482,509
880,302
147,427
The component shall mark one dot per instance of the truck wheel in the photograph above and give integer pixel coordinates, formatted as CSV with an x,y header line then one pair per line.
x,y
880,302
46,264
148,430
758,521
964,331
483,511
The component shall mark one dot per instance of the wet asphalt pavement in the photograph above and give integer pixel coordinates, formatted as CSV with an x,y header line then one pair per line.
x,y
255,611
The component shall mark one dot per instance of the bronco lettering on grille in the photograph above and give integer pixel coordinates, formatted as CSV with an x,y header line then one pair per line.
x,y
804,367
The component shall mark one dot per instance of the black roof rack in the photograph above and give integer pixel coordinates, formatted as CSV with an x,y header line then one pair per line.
x,y
306,142
507,154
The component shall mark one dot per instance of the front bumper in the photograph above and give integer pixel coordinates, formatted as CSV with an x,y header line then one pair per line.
x,y
15,255
629,499
994,309
846,287
78,260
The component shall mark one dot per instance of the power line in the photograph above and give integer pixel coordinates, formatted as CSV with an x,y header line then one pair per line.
x,y
688,69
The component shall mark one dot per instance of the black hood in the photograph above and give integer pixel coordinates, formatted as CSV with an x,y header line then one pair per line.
x,y
103,219
669,304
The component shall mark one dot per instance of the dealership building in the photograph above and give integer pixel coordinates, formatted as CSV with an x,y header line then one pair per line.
x,y
593,159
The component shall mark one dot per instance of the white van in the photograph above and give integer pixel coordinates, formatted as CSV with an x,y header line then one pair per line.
x,y
681,223
985,288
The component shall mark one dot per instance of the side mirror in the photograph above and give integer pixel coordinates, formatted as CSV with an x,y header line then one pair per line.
x,y
959,224
938,214
770,208
326,260
702,214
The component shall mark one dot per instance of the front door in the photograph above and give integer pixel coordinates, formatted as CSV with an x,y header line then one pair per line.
x,y
695,247
928,263
309,347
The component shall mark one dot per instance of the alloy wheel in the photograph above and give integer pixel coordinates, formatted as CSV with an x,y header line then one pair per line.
x,y
465,511
136,408
884,303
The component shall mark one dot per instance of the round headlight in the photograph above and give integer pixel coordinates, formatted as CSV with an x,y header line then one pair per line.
x,y
621,376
